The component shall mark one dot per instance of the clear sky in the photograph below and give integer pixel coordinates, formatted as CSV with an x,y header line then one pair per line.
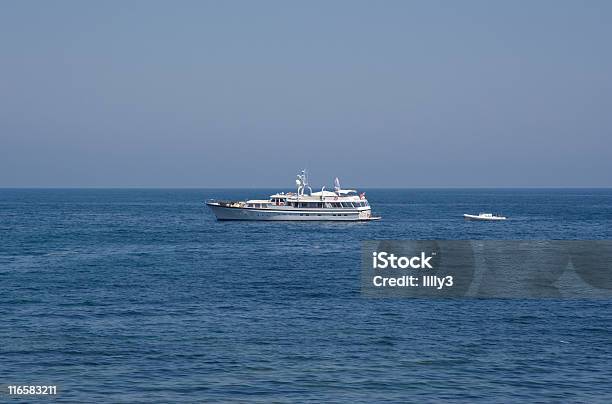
x,y
247,93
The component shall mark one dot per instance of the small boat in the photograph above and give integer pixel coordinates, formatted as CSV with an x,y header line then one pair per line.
x,y
484,216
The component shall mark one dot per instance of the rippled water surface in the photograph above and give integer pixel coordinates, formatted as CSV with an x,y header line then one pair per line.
x,y
141,296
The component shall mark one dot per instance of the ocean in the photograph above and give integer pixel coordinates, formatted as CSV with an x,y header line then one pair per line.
x,y
139,295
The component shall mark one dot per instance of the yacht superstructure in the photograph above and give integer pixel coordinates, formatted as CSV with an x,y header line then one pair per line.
x,y
302,205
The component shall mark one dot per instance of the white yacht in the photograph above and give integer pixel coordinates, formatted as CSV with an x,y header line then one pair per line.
x,y
303,205
484,216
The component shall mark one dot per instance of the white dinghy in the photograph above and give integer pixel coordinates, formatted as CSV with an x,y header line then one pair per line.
x,y
484,216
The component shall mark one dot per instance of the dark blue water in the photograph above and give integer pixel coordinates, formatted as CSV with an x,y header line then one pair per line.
x,y
141,296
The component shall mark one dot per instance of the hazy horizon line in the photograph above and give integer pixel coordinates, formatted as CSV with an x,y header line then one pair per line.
x,y
281,187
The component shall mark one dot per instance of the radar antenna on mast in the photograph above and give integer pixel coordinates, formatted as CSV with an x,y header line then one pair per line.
x,y
302,183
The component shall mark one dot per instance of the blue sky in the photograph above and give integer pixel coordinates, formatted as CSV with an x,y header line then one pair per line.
x,y
246,93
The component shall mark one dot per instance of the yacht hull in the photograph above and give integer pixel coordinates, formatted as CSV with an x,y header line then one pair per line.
x,y
288,214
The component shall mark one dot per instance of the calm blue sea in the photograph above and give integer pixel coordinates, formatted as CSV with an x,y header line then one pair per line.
x,y
141,296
